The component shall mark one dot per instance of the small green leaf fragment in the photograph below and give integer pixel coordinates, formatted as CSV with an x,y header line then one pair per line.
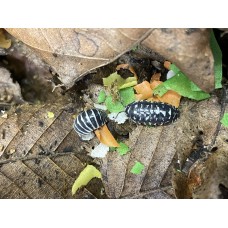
x,y
217,60
128,82
84,177
182,85
123,149
160,90
101,97
50,115
127,95
224,120
113,106
120,82
137,168
111,79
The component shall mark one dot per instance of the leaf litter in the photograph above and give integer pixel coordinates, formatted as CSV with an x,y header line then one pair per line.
x,y
144,187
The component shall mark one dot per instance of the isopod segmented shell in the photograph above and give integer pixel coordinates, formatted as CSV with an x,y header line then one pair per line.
x,y
88,121
152,113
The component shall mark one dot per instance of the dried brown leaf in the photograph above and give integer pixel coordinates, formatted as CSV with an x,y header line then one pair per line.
x,y
214,171
48,155
41,157
74,52
189,49
155,148
45,177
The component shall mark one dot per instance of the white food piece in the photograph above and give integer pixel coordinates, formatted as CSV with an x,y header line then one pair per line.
x,y
170,74
119,118
100,151
101,107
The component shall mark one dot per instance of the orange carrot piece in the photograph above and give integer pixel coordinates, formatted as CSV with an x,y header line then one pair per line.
x,y
154,84
105,136
167,64
155,77
170,97
153,99
143,90
127,66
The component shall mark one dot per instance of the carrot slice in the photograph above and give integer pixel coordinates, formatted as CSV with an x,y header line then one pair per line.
x,y
154,84
128,67
143,90
155,77
105,136
167,64
170,97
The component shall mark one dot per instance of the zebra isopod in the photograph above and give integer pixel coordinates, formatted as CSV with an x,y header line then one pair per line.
x,y
152,113
88,121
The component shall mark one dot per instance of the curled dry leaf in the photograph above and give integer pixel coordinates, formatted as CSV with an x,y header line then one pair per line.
x,y
189,49
72,53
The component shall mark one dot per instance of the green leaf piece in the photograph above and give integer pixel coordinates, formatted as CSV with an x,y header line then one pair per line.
x,y
123,149
174,68
137,168
85,176
127,95
224,120
217,60
182,85
111,79
121,82
194,87
128,82
113,106
101,97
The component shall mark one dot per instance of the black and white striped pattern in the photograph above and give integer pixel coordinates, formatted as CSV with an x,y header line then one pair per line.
x,y
89,121
152,113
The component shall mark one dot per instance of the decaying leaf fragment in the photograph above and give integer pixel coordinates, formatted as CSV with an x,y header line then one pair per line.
x,y
9,91
214,174
4,43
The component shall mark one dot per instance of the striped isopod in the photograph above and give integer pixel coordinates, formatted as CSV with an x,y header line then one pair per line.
x,y
152,113
88,121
